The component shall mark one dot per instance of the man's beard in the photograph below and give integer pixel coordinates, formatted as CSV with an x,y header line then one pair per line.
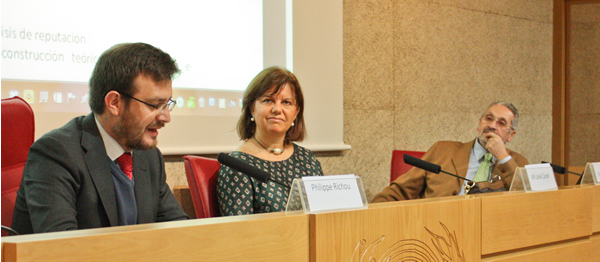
x,y
133,135
487,129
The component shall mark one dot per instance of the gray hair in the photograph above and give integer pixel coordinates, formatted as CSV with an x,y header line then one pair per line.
x,y
515,122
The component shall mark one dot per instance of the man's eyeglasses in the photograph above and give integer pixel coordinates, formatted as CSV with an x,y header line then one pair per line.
x,y
160,108
501,123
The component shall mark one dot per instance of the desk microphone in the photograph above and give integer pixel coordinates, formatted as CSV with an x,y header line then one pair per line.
x,y
247,169
427,166
11,232
562,170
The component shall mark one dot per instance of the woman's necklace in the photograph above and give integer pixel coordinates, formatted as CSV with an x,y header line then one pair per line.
x,y
276,151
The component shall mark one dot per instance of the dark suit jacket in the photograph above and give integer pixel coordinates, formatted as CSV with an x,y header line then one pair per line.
x,y
67,183
453,157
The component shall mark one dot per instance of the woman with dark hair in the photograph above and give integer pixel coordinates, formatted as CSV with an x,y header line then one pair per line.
x,y
272,119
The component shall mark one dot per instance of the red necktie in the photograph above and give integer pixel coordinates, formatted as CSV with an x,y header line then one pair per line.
x,y
126,163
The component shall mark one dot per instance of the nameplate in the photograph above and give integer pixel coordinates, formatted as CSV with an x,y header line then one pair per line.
x,y
541,177
591,175
322,193
332,192
596,170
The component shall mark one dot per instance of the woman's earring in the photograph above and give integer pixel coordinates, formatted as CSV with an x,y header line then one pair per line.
x,y
292,123
252,119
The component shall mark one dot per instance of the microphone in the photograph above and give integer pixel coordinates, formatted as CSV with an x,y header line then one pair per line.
x,y
427,166
10,230
247,169
560,169
563,170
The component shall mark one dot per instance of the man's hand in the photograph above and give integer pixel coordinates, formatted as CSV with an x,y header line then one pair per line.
x,y
495,145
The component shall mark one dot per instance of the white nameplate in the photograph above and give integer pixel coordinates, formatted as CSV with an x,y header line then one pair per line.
x,y
596,169
332,192
541,177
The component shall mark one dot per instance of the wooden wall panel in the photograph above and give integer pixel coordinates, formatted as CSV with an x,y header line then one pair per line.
x,y
434,230
596,210
571,251
519,220
270,237
595,247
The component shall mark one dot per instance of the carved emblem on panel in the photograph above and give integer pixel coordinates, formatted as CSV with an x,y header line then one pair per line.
x,y
440,247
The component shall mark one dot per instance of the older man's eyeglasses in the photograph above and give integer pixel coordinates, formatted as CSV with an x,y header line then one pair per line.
x,y
501,123
160,108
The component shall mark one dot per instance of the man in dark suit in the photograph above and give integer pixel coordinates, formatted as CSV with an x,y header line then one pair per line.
x,y
104,169
497,126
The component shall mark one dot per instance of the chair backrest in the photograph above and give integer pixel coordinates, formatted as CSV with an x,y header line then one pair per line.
x,y
201,173
18,130
398,165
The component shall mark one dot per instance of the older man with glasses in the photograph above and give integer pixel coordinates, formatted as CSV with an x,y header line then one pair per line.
x,y
484,159
104,169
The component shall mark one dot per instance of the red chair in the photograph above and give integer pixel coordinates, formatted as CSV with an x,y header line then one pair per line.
x,y
201,174
398,165
18,130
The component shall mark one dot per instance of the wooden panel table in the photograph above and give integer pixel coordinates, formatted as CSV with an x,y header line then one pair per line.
x,y
266,237
560,225
538,226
